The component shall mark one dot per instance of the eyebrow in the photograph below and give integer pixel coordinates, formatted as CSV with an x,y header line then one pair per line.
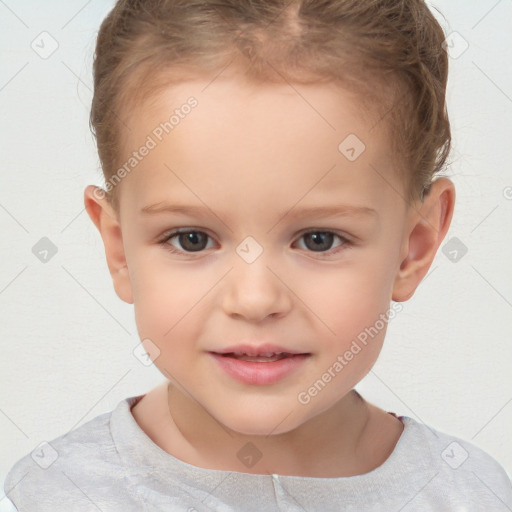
x,y
313,211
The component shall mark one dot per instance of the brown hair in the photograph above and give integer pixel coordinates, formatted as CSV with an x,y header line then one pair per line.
x,y
388,52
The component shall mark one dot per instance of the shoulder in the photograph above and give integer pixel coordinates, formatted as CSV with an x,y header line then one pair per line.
x,y
71,470
457,467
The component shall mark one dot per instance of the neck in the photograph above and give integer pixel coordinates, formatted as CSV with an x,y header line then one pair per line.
x,y
328,445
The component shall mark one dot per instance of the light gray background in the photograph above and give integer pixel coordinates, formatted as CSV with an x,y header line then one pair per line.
x,y
67,340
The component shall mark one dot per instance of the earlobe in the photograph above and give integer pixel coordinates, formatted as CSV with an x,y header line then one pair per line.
x,y
429,227
106,220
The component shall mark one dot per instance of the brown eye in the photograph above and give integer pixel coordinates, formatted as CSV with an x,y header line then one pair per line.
x,y
186,241
318,241
193,241
322,242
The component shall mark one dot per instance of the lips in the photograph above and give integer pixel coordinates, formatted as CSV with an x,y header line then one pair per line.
x,y
259,364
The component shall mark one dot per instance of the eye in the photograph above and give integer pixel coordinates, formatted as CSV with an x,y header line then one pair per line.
x,y
321,242
190,241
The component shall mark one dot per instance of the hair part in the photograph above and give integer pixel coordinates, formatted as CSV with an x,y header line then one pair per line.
x,y
387,52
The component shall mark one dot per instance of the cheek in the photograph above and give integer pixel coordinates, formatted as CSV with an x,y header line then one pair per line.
x,y
350,298
353,308
160,297
169,305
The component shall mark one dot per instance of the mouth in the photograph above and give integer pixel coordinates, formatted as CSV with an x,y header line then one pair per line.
x,y
259,366
265,351
266,357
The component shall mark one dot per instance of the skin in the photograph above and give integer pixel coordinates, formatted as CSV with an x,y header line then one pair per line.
x,y
251,153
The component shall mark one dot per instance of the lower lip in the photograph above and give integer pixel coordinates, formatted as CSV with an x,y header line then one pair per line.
x,y
259,374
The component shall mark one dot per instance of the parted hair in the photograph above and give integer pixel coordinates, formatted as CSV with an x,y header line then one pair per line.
x,y
388,53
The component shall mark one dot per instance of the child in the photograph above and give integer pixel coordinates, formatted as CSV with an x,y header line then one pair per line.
x,y
266,130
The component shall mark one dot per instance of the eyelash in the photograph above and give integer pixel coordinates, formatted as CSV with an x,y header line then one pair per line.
x,y
325,254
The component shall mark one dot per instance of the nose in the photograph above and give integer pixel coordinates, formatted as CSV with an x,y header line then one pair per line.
x,y
253,291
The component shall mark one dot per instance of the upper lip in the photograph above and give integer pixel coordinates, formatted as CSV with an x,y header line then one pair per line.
x,y
256,350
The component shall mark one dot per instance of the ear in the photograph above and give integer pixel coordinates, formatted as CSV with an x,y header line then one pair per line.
x,y
430,222
106,220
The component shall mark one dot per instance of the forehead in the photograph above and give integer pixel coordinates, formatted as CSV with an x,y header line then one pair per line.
x,y
254,144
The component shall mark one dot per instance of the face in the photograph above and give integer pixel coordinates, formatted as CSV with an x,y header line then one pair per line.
x,y
287,242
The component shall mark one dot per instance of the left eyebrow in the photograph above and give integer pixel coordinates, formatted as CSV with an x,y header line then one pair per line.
x,y
330,211
312,211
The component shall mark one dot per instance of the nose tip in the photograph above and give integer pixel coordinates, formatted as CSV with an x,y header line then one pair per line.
x,y
255,293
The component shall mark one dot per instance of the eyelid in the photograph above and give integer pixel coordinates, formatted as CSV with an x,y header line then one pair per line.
x,y
189,229
341,234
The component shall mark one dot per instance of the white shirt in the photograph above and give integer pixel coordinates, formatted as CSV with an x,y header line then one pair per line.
x,y
109,464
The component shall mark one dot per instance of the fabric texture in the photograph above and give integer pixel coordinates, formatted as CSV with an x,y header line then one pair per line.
x,y
110,464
